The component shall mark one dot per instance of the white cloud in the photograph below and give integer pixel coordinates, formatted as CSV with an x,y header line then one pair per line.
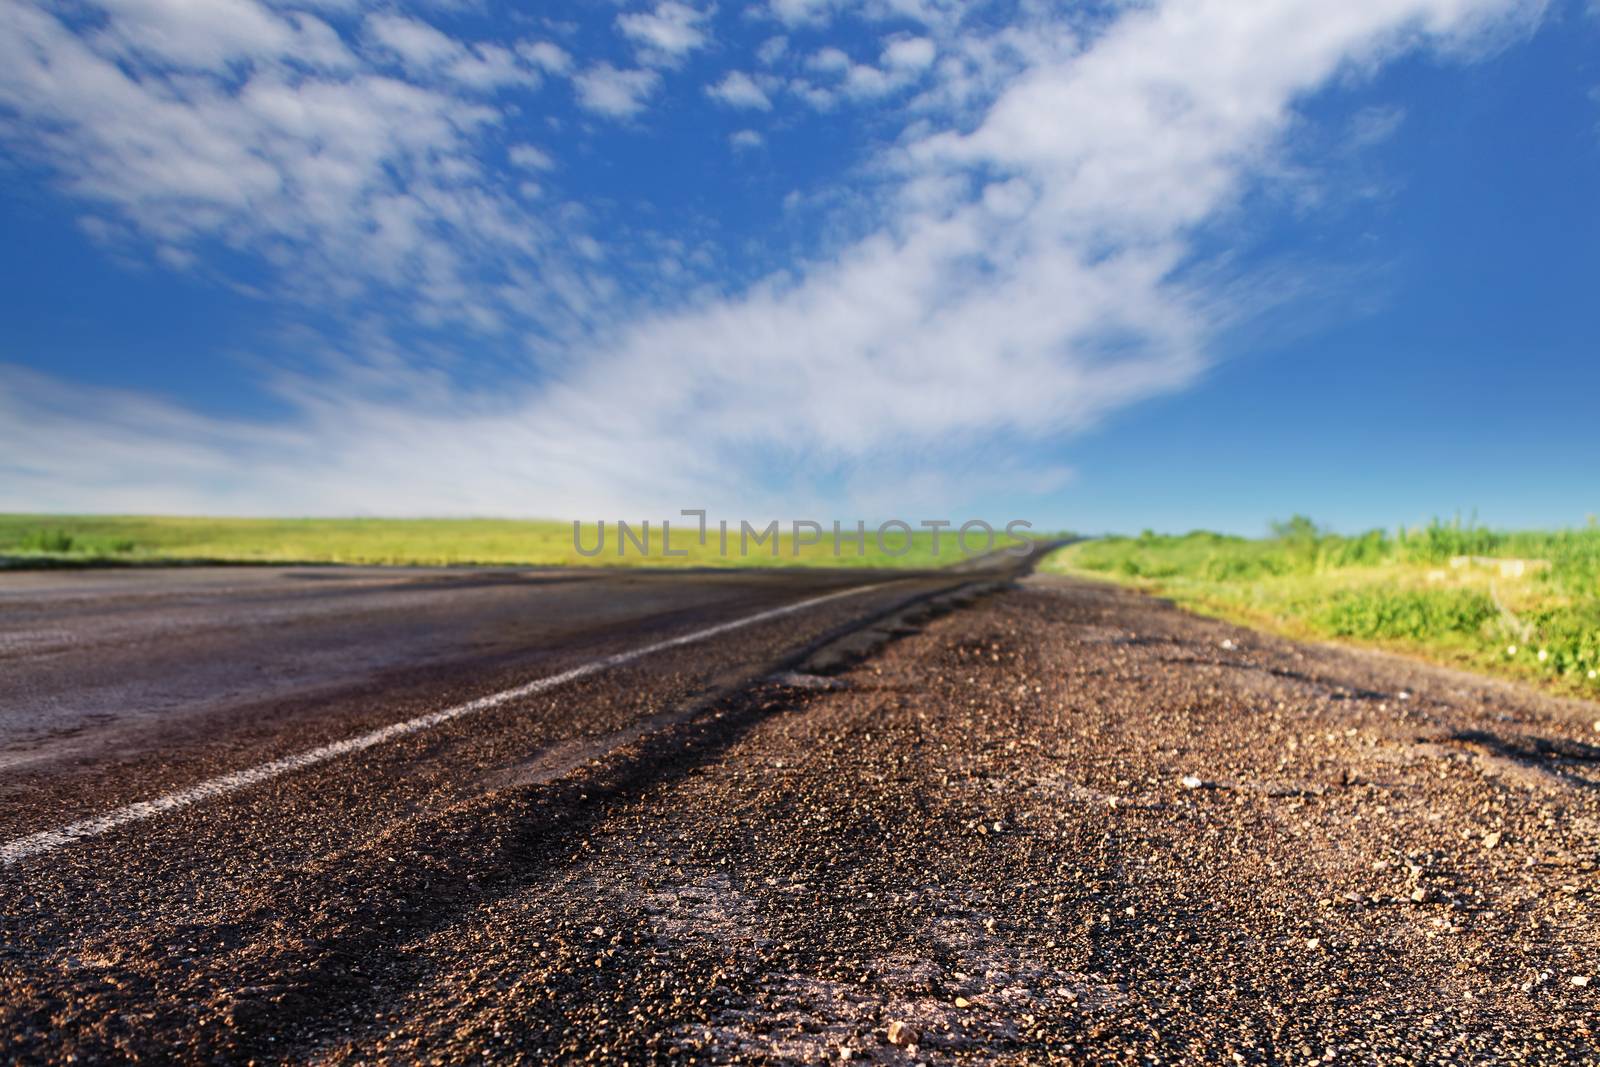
x,y
816,14
416,42
815,95
618,94
550,58
802,12
744,139
344,174
829,60
203,35
740,90
909,53
177,258
905,60
489,66
665,34
530,158
428,52
866,82
1374,125
1022,277
772,50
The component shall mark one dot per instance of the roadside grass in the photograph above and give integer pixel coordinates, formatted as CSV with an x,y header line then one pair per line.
x,y
68,540
1522,604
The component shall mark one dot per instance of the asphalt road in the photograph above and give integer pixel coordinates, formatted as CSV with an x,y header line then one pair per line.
x,y
122,686
767,817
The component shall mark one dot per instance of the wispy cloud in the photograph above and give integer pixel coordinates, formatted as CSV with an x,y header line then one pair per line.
x,y
801,12
429,53
1023,267
618,94
526,155
738,89
274,135
548,57
909,53
1374,125
666,33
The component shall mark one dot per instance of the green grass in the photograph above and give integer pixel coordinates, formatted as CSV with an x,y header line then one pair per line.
x,y
39,540
1440,592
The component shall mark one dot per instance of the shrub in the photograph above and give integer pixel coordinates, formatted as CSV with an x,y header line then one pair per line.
x,y
48,541
1409,613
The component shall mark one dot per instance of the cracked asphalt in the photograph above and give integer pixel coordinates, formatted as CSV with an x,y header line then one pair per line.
x,y
1056,822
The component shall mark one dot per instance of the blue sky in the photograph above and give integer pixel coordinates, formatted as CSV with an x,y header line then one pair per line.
x,y
1101,265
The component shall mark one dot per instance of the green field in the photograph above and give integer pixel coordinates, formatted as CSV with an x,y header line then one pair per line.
x,y
1523,604
44,540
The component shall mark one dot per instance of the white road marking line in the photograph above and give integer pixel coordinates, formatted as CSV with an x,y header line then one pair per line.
x,y
50,840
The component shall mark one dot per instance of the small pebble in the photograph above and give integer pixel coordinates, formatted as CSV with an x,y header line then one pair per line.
x,y
903,1033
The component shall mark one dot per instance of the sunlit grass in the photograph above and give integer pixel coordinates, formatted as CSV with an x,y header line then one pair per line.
x,y
64,539
1525,603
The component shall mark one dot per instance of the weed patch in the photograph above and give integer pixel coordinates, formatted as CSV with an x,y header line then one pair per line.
x,y
1523,603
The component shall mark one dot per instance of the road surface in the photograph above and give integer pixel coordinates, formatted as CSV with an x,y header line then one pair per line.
x,y
126,687
356,815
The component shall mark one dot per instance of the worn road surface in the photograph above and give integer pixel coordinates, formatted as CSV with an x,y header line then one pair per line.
x,y
339,815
